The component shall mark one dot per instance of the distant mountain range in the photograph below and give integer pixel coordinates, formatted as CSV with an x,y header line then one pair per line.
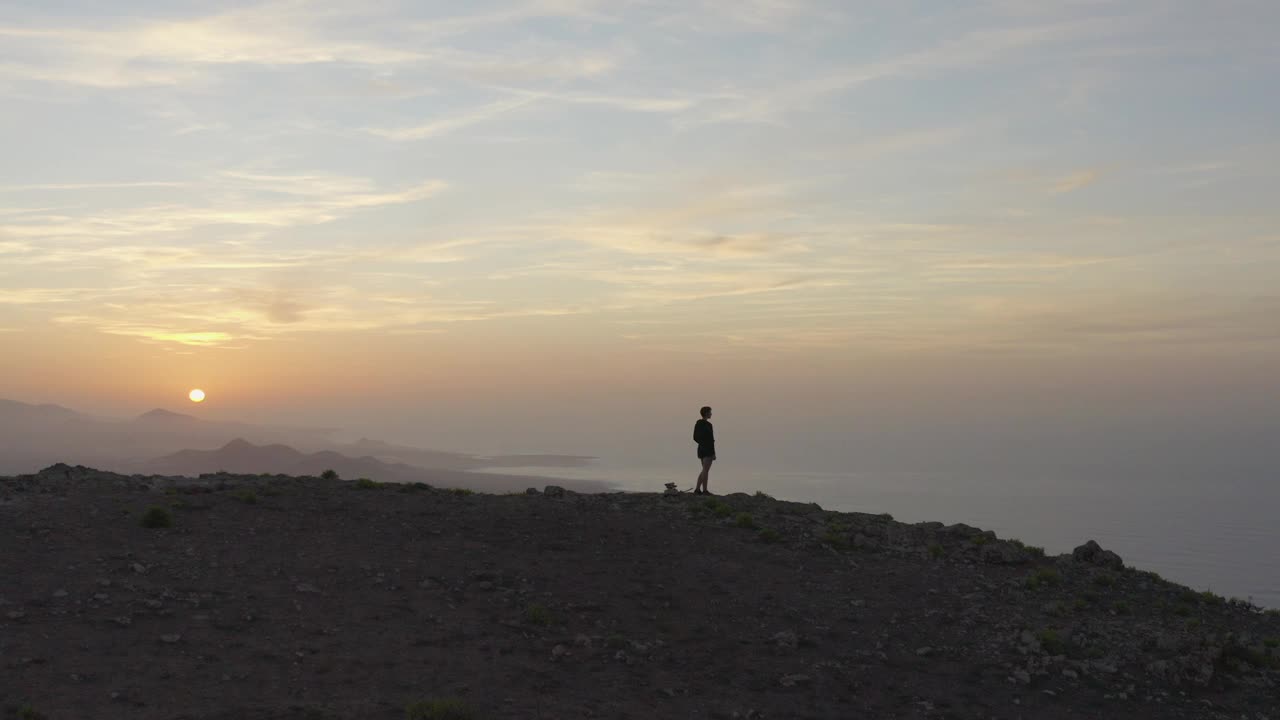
x,y
167,442
241,456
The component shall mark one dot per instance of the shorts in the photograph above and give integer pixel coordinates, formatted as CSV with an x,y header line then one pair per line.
x,y
706,452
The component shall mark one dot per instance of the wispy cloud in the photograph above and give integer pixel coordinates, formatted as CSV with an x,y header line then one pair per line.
x,y
1075,181
449,123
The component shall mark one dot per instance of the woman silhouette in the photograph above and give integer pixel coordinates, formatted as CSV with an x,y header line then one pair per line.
x,y
704,435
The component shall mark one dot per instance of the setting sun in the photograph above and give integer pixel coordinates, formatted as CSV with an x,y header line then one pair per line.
x,y
196,395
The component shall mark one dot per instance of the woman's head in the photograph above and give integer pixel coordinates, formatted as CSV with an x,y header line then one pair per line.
x,y
705,412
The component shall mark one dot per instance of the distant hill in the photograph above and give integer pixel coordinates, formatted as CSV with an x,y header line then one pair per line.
x,y
242,456
35,436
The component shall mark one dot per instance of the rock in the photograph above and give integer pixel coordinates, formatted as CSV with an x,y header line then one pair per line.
x,y
558,652
1070,674
139,568
786,640
123,621
59,593
1022,677
924,651
1092,553
794,680
553,491
306,588
170,639
15,614
533,491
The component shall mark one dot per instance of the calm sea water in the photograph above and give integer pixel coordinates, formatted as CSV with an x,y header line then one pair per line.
x,y
1218,534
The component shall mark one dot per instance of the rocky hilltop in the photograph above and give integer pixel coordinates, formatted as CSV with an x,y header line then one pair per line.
x,y
256,597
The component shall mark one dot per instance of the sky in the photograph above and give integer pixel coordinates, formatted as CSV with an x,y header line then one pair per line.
x,y
871,234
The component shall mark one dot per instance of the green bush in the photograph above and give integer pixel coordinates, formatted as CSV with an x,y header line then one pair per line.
x,y
462,491
1104,580
744,520
1052,642
835,539
248,497
447,709
1043,576
935,550
769,535
367,484
329,475
763,496
722,510
1212,598
157,517
26,712
538,615
1121,607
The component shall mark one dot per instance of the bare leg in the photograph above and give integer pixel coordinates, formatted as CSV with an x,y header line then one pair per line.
x,y
702,477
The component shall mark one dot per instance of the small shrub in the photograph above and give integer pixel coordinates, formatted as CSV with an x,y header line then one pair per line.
x,y
1079,604
329,475
769,535
26,712
538,615
744,520
711,503
1212,598
1271,642
1182,610
615,641
157,517
885,516
1121,607
935,551
248,497
1193,624
367,484
1043,576
178,504
462,491
722,510
835,539
763,495
1104,580
270,492
1242,655
447,709
979,539
1035,550
1052,642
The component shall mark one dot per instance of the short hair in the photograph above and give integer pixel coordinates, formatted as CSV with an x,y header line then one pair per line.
x,y
705,411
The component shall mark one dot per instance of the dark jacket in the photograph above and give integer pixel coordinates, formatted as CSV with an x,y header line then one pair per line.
x,y
704,435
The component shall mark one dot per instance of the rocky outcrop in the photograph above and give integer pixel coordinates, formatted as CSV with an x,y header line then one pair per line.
x,y
1092,553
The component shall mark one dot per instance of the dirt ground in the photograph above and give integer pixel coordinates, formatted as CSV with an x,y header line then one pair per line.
x,y
302,598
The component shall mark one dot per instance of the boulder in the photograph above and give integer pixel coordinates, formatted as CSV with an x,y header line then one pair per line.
x,y
1092,553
